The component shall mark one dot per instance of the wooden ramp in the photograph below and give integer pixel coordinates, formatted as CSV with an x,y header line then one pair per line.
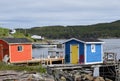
x,y
46,61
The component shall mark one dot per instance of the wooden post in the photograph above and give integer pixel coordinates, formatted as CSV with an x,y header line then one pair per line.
x,y
62,61
47,61
50,61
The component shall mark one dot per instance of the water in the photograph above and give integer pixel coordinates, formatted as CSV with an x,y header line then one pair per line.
x,y
43,52
110,45
40,52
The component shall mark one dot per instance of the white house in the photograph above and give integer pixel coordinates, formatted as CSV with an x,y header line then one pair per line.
x,y
37,37
12,31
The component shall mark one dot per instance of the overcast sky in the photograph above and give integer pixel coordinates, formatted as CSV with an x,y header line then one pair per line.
x,y
30,13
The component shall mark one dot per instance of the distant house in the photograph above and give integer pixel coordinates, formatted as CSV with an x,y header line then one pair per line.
x,y
12,31
83,51
37,37
16,49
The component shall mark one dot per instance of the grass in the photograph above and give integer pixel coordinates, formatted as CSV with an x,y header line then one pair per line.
x,y
18,35
36,68
4,32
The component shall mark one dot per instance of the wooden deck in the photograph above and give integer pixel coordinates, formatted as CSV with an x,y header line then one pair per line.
x,y
46,61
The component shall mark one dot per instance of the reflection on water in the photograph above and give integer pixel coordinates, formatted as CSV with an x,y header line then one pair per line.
x,y
110,45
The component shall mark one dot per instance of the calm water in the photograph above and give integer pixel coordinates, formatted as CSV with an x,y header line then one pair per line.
x,y
110,45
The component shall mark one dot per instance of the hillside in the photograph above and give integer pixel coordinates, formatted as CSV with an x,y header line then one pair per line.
x,y
102,30
4,32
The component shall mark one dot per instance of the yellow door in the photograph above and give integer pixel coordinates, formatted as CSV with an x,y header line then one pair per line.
x,y
74,54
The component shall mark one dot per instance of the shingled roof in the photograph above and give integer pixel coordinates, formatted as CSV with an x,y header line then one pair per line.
x,y
16,40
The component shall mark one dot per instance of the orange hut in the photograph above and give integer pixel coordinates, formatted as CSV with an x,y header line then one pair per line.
x,y
17,49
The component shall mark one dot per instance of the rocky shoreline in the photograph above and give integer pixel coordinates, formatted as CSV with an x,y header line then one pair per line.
x,y
10,75
75,75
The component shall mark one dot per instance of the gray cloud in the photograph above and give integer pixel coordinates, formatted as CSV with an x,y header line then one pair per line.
x,y
29,13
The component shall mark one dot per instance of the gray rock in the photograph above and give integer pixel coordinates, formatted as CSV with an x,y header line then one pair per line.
x,y
63,78
99,79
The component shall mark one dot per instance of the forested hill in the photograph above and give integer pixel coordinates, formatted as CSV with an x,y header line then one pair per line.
x,y
103,30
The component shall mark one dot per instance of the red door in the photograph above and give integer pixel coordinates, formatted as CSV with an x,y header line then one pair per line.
x,y
1,52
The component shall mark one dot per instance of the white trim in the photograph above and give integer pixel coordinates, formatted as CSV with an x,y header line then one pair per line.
x,y
94,62
31,52
85,56
83,41
73,39
102,52
70,51
64,49
18,48
9,53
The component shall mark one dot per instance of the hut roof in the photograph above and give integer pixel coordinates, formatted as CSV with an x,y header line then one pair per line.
x,y
86,40
16,40
90,40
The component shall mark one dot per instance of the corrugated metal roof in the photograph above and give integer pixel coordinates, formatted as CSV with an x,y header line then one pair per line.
x,y
16,40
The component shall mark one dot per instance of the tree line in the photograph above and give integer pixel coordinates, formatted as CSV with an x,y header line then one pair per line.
x,y
102,30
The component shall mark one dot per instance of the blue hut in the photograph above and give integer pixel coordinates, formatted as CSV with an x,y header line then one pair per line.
x,y
83,51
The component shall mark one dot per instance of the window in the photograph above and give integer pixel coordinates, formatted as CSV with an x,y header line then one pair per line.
x,y
20,48
93,48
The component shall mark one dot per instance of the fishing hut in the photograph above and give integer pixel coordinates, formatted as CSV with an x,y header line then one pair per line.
x,y
83,51
52,57
15,50
88,53
19,51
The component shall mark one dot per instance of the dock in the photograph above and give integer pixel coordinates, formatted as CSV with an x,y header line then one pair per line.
x,y
47,61
107,71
